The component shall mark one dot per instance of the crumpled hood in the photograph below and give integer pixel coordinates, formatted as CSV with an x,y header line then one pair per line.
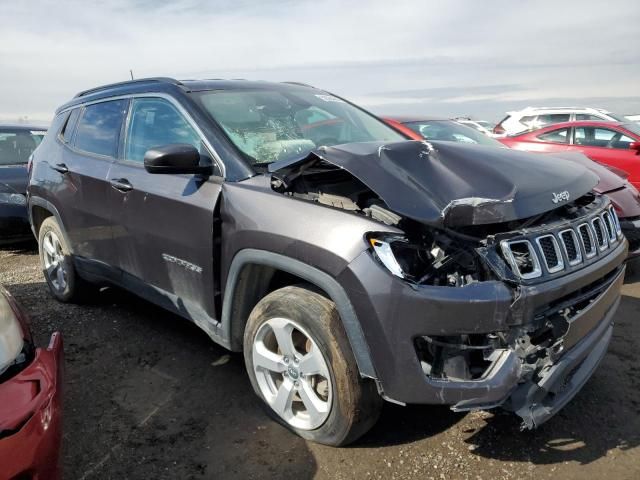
x,y
14,179
455,184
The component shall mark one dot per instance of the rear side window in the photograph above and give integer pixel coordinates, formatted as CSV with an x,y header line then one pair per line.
x,y
155,122
556,136
552,118
99,127
587,116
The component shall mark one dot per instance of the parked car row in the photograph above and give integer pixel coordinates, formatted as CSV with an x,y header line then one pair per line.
x,y
17,143
351,261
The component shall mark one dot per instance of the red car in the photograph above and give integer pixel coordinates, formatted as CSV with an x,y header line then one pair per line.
x,y
613,182
611,143
30,398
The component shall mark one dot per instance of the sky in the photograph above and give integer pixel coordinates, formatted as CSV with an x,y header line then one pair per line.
x,y
442,58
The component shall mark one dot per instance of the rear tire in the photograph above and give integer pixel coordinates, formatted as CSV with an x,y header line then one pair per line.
x,y
57,265
294,329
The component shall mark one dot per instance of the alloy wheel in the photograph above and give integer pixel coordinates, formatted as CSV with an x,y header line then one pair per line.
x,y
292,373
54,261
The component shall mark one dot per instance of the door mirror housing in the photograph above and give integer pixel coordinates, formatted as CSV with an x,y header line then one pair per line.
x,y
175,158
635,146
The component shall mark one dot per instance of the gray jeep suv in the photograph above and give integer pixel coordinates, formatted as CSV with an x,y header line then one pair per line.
x,y
349,264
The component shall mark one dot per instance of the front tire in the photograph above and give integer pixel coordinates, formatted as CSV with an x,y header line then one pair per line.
x,y
301,365
57,265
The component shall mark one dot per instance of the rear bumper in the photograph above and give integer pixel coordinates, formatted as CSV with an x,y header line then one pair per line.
x,y
14,224
31,417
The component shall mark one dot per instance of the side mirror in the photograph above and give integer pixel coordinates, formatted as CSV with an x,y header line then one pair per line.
x,y
175,158
635,146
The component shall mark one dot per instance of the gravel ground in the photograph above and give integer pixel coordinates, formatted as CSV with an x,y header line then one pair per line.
x,y
147,395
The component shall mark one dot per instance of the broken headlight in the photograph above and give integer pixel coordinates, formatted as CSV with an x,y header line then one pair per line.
x,y
402,258
427,261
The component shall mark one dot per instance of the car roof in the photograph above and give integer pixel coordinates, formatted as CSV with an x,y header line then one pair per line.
x,y
551,109
22,126
416,118
171,85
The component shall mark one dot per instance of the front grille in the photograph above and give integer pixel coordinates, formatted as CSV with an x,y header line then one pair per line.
x,y
569,241
601,240
550,253
609,226
522,258
588,242
559,250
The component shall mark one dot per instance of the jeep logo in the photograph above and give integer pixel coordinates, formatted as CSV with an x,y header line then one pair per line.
x,y
560,197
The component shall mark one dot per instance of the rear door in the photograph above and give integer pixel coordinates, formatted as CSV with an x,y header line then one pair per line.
x,y
609,146
164,223
84,166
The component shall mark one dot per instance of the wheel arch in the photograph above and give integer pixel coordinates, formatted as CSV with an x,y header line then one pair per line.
x,y
252,275
39,210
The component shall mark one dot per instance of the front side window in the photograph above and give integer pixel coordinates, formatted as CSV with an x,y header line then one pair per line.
x,y
556,136
271,125
155,122
16,145
98,130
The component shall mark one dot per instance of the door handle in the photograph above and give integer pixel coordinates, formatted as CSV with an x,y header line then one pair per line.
x,y
121,184
60,167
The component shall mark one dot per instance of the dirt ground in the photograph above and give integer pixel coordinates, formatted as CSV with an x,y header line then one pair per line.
x,y
147,395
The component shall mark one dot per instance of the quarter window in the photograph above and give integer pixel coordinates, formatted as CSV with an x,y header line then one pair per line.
x,y
155,122
99,127
67,130
556,136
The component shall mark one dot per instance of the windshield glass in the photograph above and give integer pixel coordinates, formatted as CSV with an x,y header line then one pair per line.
x,y
272,125
450,131
17,144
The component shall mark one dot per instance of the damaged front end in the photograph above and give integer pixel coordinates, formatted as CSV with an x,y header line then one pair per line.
x,y
507,269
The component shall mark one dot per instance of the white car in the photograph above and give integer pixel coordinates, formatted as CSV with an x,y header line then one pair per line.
x,y
537,117
480,125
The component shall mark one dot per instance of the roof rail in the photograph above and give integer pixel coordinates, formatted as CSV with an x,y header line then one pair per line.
x,y
301,84
172,81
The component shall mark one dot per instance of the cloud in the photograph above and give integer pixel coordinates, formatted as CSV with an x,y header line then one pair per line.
x,y
377,52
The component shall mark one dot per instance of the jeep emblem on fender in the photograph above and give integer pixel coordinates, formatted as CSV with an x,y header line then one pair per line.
x,y
560,197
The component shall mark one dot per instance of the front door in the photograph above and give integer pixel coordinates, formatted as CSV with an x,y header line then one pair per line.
x,y
164,223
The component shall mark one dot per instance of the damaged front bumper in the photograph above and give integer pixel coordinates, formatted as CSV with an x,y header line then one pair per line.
x,y
394,314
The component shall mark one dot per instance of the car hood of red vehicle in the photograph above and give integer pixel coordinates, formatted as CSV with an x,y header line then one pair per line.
x,y
615,187
608,180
